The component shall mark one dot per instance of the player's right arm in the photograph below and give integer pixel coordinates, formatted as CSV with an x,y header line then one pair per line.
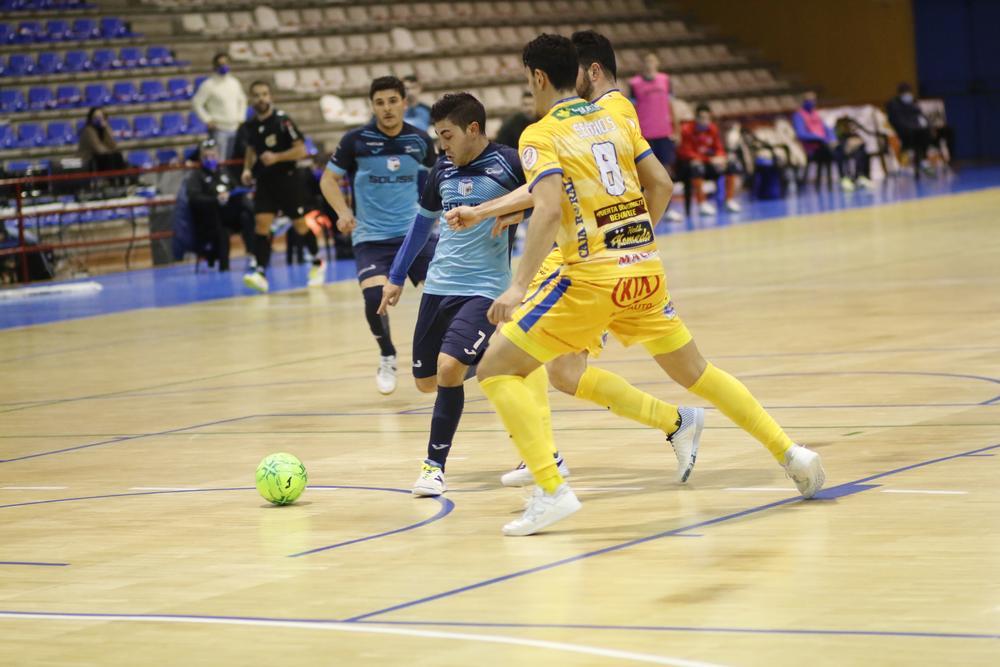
x,y
249,160
463,217
332,181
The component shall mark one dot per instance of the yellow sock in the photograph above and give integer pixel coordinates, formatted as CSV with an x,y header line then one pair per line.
x,y
736,402
525,421
615,393
537,383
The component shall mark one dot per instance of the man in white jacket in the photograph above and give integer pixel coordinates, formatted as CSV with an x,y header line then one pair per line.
x,y
221,104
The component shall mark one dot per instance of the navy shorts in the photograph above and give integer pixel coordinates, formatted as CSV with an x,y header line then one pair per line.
x,y
374,258
455,325
664,150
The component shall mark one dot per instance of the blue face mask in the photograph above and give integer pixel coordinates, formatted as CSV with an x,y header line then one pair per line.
x,y
222,70
907,98
210,163
809,105
702,127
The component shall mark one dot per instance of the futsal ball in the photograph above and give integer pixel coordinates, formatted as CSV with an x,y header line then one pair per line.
x,y
281,478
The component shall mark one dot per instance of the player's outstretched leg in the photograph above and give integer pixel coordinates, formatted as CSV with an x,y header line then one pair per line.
x,y
317,270
385,376
256,279
689,369
448,408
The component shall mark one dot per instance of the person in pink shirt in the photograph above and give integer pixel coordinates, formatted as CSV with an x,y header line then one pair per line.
x,y
657,121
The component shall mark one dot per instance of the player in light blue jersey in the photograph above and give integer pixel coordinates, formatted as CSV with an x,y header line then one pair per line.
x,y
385,163
470,269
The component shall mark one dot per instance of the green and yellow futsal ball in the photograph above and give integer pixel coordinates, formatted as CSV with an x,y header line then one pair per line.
x,y
281,478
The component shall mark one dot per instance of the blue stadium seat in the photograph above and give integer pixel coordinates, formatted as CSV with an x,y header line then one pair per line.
x,y
58,30
152,91
120,128
84,28
124,92
40,98
112,27
17,168
29,32
96,95
60,133
145,127
172,125
140,159
195,124
29,135
6,136
12,101
68,96
47,62
165,156
179,89
103,60
159,56
76,61
131,57
19,64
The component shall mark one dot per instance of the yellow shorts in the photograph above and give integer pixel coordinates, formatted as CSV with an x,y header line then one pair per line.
x,y
569,315
553,262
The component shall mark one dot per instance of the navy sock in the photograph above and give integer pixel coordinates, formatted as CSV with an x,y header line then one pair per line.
x,y
262,250
447,413
379,324
312,245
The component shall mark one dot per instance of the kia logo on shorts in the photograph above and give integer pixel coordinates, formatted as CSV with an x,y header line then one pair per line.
x,y
630,291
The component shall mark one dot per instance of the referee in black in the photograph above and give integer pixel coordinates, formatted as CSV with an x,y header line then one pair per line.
x,y
274,145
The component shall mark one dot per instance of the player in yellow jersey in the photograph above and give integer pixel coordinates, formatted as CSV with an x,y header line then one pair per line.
x,y
596,194
570,373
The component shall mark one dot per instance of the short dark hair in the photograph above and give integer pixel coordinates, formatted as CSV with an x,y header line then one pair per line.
x,y
387,83
460,108
554,55
702,107
526,93
259,82
219,56
593,47
904,87
411,78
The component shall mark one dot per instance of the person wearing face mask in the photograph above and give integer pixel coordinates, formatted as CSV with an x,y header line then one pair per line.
x,y
214,209
702,155
911,125
97,147
819,142
510,132
221,104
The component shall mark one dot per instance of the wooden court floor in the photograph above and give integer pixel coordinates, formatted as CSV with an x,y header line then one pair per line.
x,y
131,533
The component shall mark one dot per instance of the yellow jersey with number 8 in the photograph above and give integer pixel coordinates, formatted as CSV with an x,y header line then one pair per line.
x,y
605,231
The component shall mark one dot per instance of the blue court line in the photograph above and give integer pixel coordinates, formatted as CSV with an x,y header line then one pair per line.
x,y
832,492
21,562
528,626
446,507
688,628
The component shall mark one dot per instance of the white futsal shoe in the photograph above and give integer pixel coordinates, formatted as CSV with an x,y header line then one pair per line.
x,y
385,376
685,440
543,510
256,281
431,481
804,467
521,476
707,208
317,274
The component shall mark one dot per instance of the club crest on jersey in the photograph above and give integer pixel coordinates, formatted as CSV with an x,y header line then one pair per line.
x,y
529,156
465,187
392,163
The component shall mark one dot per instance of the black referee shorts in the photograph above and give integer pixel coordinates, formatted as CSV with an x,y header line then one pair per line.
x,y
283,192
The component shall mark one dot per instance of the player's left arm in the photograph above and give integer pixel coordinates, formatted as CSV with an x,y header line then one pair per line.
x,y
546,196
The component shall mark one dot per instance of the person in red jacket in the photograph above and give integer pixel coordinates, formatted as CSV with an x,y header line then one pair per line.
x,y
702,155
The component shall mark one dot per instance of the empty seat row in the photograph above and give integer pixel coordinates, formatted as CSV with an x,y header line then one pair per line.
x,y
100,60
63,133
41,98
59,30
42,5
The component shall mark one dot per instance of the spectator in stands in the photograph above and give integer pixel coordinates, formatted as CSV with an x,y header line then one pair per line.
x,y
914,129
97,146
819,142
214,211
851,150
221,104
510,132
702,155
657,120
417,113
